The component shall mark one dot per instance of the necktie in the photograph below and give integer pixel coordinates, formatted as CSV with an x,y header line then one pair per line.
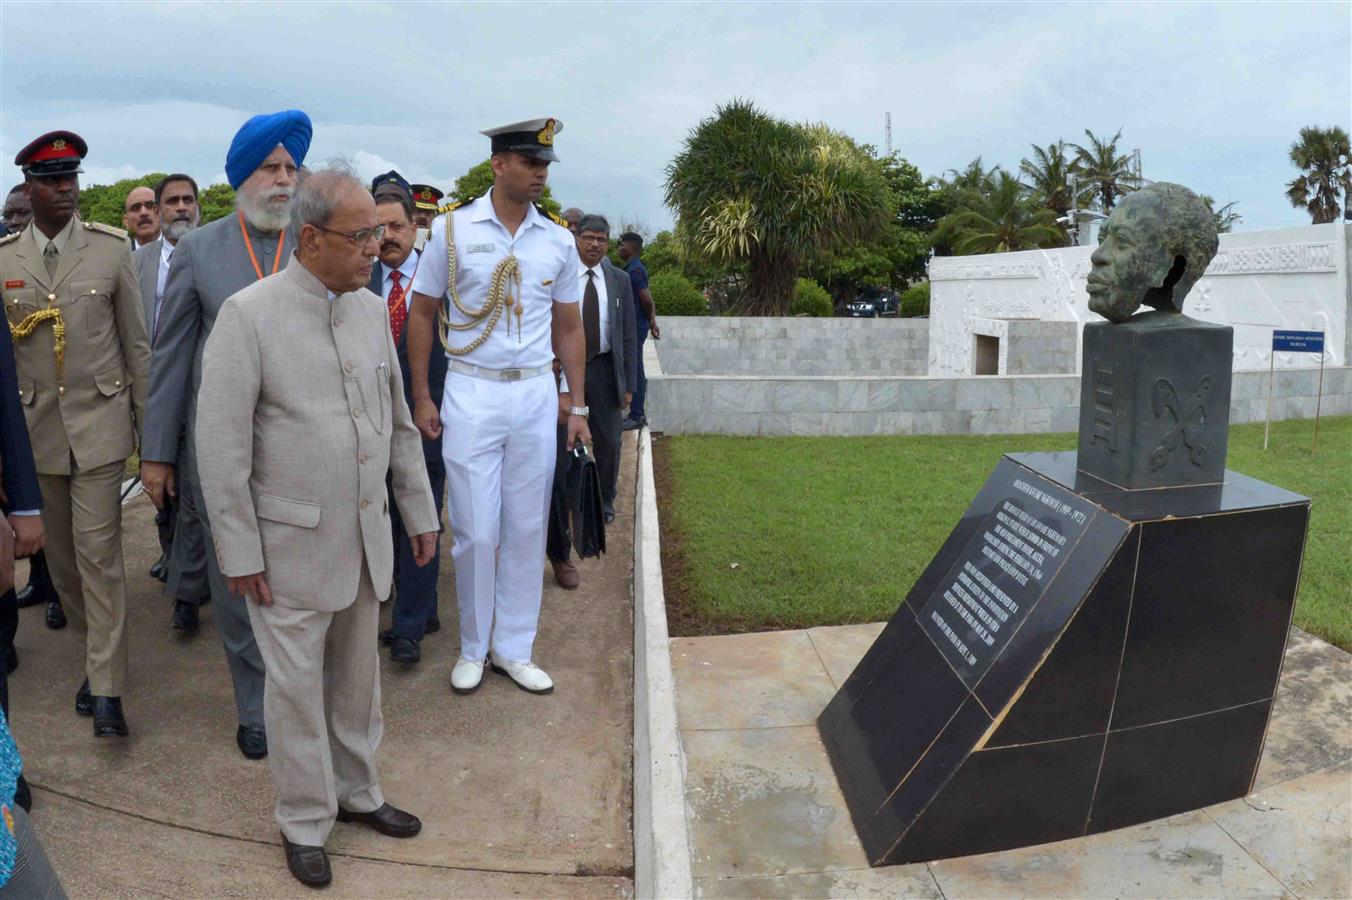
x,y
49,257
591,315
398,314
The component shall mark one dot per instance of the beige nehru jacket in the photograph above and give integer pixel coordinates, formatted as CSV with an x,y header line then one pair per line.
x,y
300,415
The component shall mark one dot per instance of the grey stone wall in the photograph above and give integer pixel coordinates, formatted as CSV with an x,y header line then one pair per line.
x,y
1041,348
864,405
726,345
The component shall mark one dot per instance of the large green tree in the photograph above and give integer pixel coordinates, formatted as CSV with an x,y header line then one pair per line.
x,y
1109,170
476,182
895,255
1003,220
750,188
1325,184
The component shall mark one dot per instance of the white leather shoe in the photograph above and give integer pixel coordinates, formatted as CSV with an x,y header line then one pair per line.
x,y
467,675
527,675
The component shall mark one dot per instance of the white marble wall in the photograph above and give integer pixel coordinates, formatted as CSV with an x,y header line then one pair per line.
x,y
862,405
1294,278
739,345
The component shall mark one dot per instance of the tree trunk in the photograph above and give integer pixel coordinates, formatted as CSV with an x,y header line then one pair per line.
x,y
770,284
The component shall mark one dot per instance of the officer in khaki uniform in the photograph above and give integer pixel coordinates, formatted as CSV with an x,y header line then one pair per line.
x,y
74,308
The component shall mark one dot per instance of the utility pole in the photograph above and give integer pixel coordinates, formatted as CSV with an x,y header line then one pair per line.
x,y
887,117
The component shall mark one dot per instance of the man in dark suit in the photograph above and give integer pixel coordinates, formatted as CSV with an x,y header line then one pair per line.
x,y
415,601
183,562
21,502
612,354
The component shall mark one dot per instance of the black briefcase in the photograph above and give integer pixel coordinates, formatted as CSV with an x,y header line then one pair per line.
x,y
583,487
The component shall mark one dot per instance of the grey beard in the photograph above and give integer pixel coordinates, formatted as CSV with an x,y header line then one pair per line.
x,y
175,230
264,216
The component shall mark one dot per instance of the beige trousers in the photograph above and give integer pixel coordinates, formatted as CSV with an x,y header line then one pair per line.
x,y
82,515
321,703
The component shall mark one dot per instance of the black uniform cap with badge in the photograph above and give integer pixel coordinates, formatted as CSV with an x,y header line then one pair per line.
x,y
391,183
426,197
54,155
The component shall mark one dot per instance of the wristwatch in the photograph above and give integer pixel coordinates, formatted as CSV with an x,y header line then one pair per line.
x,y
578,410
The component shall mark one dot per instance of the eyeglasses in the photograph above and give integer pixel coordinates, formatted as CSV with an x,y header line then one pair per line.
x,y
593,239
359,237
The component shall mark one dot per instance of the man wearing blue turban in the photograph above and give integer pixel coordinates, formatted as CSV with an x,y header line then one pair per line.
x,y
209,264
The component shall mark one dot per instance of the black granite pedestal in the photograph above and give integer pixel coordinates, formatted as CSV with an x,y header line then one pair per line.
x,y
1076,658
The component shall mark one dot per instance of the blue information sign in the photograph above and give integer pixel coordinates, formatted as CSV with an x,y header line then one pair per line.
x,y
1298,341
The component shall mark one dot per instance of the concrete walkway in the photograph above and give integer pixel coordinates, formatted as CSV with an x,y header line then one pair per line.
x,y
768,820
519,795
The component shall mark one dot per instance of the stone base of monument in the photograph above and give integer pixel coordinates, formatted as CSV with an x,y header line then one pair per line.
x,y
1076,658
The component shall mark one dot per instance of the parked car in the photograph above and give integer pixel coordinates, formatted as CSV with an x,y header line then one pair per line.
x,y
874,302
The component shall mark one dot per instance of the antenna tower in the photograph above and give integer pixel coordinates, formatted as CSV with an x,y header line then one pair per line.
x,y
888,132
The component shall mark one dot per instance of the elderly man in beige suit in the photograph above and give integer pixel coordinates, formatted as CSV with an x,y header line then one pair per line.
x,y
301,414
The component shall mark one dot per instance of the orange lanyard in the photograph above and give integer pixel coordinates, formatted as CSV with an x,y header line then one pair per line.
x,y
248,245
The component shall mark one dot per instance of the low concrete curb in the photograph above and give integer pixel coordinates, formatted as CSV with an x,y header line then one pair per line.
x,y
661,833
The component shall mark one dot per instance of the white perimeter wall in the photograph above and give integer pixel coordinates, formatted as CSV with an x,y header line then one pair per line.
x,y
1294,278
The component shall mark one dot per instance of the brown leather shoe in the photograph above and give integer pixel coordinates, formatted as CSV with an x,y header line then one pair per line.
x,y
310,865
387,820
565,573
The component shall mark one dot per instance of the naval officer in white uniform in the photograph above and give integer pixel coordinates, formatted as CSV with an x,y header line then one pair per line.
x,y
509,307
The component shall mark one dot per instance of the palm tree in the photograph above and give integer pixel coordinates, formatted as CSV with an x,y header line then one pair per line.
x,y
1109,171
1047,176
749,188
1325,158
1004,220
1226,217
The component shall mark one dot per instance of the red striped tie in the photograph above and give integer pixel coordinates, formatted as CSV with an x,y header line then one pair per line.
x,y
398,314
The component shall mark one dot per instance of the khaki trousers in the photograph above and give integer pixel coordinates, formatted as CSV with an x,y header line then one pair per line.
x,y
82,515
321,703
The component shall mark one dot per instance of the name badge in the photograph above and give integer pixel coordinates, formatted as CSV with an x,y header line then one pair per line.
x,y
479,248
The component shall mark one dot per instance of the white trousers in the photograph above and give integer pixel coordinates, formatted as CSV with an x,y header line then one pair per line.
x,y
498,441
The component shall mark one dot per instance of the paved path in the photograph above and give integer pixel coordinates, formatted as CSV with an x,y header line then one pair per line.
x,y
519,795
768,820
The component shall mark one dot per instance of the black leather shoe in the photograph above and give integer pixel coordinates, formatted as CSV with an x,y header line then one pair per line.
x,y
433,625
160,571
404,650
387,820
84,701
185,616
56,616
608,512
108,721
11,659
23,797
310,865
387,637
27,596
252,741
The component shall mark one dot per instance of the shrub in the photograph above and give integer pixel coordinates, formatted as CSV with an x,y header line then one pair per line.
x,y
674,295
915,300
810,299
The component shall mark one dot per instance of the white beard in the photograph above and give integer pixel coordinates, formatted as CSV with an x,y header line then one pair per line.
x,y
264,215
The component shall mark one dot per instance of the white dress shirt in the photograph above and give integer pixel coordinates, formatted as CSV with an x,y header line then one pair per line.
x,y
161,276
602,302
406,270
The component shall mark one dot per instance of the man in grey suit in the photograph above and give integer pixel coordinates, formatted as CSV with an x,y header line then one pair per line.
x,y
301,414
182,564
210,264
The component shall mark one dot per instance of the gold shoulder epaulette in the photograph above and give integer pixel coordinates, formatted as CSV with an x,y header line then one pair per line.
x,y
12,236
106,229
450,206
557,220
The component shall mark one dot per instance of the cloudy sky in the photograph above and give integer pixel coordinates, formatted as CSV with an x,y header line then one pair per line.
x,y
1212,94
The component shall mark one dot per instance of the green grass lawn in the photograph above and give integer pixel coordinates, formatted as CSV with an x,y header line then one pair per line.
x,y
767,533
